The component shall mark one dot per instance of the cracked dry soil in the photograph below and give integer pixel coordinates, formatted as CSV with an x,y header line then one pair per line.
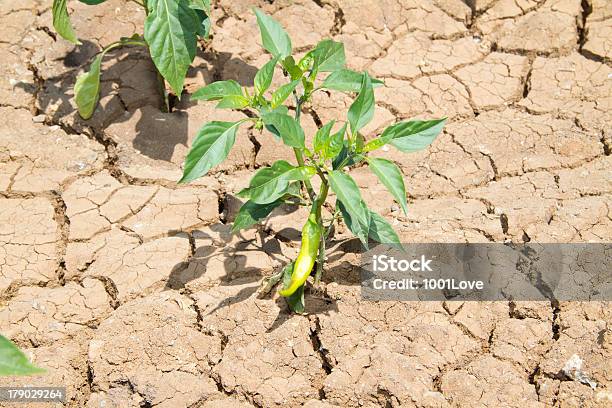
x,y
132,292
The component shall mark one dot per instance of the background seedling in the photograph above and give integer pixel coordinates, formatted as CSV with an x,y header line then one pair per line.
x,y
171,31
13,361
338,146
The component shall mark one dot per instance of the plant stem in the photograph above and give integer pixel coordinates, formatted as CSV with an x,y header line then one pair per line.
x,y
319,203
161,82
122,43
298,106
299,157
320,261
300,160
320,198
139,3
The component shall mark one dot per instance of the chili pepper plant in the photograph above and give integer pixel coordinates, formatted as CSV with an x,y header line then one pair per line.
x,y
171,32
338,146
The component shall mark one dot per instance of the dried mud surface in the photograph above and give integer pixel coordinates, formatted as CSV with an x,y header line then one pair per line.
x,y
132,292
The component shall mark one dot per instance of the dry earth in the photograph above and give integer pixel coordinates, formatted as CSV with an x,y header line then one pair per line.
x,y
132,292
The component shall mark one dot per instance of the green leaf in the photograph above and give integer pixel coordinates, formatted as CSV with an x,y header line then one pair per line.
x,y
359,229
250,213
328,56
273,37
13,361
202,12
306,62
359,142
329,145
282,93
296,300
92,2
334,143
348,194
283,110
264,76
170,31
416,135
87,89
361,111
203,5
202,22
61,21
217,90
345,80
270,183
289,129
409,136
322,137
391,176
265,110
381,231
342,155
210,147
233,102
292,68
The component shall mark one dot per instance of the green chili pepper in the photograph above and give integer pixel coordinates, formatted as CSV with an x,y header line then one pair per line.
x,y
311,236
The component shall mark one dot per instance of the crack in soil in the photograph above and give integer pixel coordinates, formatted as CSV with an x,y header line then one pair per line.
x,y
556,327
39,83
63,225
339,20
317,346
607,143
527,79
587,9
